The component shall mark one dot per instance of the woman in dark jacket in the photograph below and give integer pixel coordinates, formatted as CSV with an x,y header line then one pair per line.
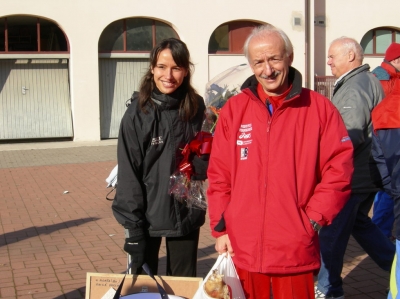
x,y
163,117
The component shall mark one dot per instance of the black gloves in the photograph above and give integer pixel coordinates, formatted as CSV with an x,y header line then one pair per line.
x,y
199,166
136,247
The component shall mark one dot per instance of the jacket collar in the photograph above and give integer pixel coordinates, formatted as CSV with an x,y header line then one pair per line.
x,y
387,66
168,101
352,73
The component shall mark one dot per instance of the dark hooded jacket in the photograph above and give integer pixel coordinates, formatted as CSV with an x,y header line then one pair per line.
x,y
149,151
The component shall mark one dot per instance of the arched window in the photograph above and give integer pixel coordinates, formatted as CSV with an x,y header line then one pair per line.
x,y
134,35
229,38
376,41
20,34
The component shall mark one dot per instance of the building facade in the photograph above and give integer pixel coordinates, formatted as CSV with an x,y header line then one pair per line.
x,y
68,67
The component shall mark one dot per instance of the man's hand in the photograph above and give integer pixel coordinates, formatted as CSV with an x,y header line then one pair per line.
x,y
223,244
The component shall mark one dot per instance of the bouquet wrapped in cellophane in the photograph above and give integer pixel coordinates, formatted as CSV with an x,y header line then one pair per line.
x,y
218,91
181,185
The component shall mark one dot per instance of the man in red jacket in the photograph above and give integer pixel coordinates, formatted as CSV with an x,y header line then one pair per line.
x,y
272,188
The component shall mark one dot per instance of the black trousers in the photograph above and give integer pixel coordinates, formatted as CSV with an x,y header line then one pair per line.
x,y
181,254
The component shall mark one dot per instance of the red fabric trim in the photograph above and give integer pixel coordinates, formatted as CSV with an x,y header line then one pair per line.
x,y
200,145
276,101
261,93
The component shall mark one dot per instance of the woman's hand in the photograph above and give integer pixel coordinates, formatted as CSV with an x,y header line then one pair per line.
x,y
223,244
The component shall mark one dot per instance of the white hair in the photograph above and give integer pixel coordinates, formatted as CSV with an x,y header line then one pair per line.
x,y
348,44
264,31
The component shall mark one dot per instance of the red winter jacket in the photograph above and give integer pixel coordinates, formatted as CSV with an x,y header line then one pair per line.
x,y
268,175
388,75
386,115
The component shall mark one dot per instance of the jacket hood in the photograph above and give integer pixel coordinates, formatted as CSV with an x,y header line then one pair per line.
x,y
295,79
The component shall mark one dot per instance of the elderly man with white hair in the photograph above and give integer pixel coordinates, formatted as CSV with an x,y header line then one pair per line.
x,y
357,91
280,168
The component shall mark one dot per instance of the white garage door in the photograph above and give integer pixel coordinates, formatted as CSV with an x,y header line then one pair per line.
x,y
34,99
119,78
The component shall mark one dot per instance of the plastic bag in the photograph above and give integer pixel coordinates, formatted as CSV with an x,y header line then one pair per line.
x,y
149,296
113,177
225,266
191,193
112,182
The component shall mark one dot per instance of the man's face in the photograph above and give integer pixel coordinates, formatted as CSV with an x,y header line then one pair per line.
x,y
269,62
396,63
338,60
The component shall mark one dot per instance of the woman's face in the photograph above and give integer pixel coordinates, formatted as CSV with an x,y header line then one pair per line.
x,y
166,74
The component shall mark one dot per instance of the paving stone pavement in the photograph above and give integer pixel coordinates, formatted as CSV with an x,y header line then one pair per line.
x,y
56,225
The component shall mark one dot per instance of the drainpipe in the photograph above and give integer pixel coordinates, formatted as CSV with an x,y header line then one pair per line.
x,y
309,43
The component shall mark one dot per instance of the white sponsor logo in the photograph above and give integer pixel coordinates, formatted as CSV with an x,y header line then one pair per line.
x,y
245,128
243,142
245,136
157,140
345,138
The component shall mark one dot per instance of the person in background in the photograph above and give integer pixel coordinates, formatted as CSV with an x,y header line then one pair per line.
x,y
165,115
280,168
388,74
356,93
386,170
382,213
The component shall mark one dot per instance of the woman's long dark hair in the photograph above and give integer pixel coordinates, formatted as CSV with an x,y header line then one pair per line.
x,y
180,54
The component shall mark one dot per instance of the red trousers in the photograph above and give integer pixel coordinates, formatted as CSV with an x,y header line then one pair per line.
x,y
293,286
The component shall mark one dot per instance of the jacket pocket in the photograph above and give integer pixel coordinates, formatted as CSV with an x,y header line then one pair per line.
x,y
306,223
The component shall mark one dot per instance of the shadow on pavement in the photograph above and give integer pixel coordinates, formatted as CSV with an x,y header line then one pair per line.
x,y
77,294
26,233
374,281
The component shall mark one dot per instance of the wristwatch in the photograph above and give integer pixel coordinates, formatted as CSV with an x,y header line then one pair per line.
x,y
315,225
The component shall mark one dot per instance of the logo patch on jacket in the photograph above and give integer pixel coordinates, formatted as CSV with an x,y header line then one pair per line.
x,y
243,153
244,134
345,138
157,140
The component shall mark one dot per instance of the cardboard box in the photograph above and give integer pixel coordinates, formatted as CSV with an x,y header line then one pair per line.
x,y
97,284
